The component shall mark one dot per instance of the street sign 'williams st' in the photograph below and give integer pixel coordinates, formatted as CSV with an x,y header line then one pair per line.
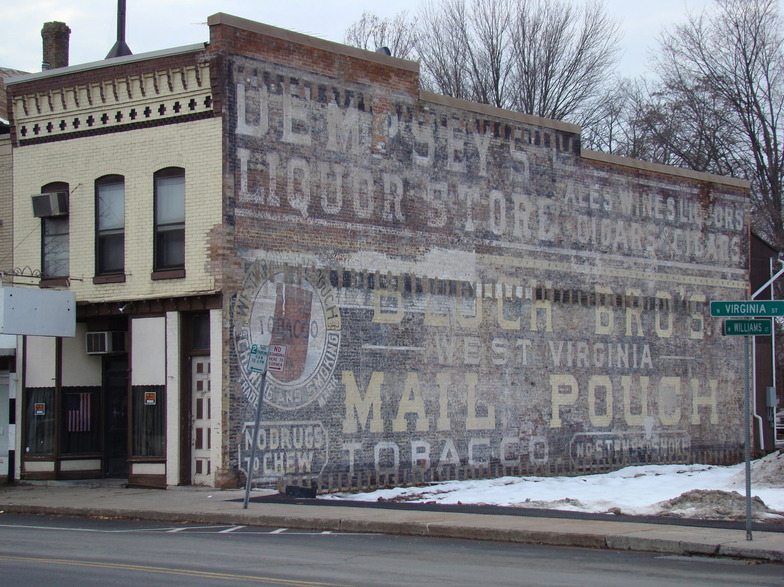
x,y
750,308
759,327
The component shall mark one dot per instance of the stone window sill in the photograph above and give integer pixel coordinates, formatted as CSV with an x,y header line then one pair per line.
x,y
54,282
168,274
118,278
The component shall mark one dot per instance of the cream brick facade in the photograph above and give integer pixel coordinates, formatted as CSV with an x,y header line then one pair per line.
x,y
130,117
154,93
6,205
136,155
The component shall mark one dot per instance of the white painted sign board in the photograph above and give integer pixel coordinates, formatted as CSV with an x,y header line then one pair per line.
x,y
277,357
37,312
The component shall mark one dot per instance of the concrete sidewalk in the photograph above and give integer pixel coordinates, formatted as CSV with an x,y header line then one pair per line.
x,y
225,507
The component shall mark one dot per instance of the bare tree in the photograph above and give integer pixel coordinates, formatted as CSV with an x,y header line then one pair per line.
x,y
688,125
729,61
562,56
489,37
685,126
540,57
442,56
398,34
608,121
447,50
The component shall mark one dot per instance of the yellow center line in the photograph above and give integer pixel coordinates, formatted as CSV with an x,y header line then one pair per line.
x,y
166,571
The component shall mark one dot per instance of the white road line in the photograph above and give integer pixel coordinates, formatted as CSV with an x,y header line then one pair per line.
x,y
183,529
58,528
232,529
168,530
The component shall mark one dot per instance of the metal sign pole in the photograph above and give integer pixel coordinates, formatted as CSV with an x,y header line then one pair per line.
x,y
252,458
747,434
260,362
750,309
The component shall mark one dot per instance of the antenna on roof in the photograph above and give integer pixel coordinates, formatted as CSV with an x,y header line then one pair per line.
x,y
120,49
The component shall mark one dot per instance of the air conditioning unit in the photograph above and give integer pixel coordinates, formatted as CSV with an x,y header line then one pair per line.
x,y
105,342
53,204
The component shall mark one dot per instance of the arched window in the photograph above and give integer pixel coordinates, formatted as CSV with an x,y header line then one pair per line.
x,y
54,238
110,225
169,247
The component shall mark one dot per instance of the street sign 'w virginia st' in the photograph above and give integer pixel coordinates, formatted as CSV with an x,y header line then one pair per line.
x,y
748,308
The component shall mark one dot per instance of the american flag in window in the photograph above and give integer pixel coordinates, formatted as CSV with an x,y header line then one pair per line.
x,y
77,410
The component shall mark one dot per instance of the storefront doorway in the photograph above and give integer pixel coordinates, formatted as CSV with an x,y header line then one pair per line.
x,y
115,425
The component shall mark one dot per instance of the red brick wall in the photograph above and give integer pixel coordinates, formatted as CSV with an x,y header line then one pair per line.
x,y
518,307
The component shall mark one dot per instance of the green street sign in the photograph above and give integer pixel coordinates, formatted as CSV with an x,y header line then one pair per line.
x,y
748,308
748,327
257,359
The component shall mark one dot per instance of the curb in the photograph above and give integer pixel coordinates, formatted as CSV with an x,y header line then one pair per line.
x,y
434,529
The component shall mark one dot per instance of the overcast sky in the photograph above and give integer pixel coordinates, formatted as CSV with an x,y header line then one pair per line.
x,y
160,24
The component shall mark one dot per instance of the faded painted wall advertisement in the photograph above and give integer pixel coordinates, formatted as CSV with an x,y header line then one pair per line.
x,y
306,319
457,290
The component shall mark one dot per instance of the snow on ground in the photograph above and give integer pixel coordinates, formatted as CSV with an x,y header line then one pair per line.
x,y
700,491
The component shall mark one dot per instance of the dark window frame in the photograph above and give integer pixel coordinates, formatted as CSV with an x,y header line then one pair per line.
x,y
80,433
169,234
47,237
108,240
39,430
148,423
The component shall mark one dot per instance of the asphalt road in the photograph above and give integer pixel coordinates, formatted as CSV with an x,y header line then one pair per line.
x,y
55,551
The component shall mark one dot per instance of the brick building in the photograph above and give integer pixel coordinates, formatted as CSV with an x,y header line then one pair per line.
x,y
461,290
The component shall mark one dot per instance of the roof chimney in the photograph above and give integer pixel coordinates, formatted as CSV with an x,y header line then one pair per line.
x,y
56,36
120,49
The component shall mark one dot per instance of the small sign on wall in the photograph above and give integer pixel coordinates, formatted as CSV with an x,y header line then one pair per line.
x,y
277,357
40,409
150,398
257,360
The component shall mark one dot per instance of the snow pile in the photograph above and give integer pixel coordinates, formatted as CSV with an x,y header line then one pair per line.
x,y
768,471
699,491
712,504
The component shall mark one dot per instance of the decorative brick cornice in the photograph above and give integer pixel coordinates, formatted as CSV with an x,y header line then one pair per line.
x,y
163,96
